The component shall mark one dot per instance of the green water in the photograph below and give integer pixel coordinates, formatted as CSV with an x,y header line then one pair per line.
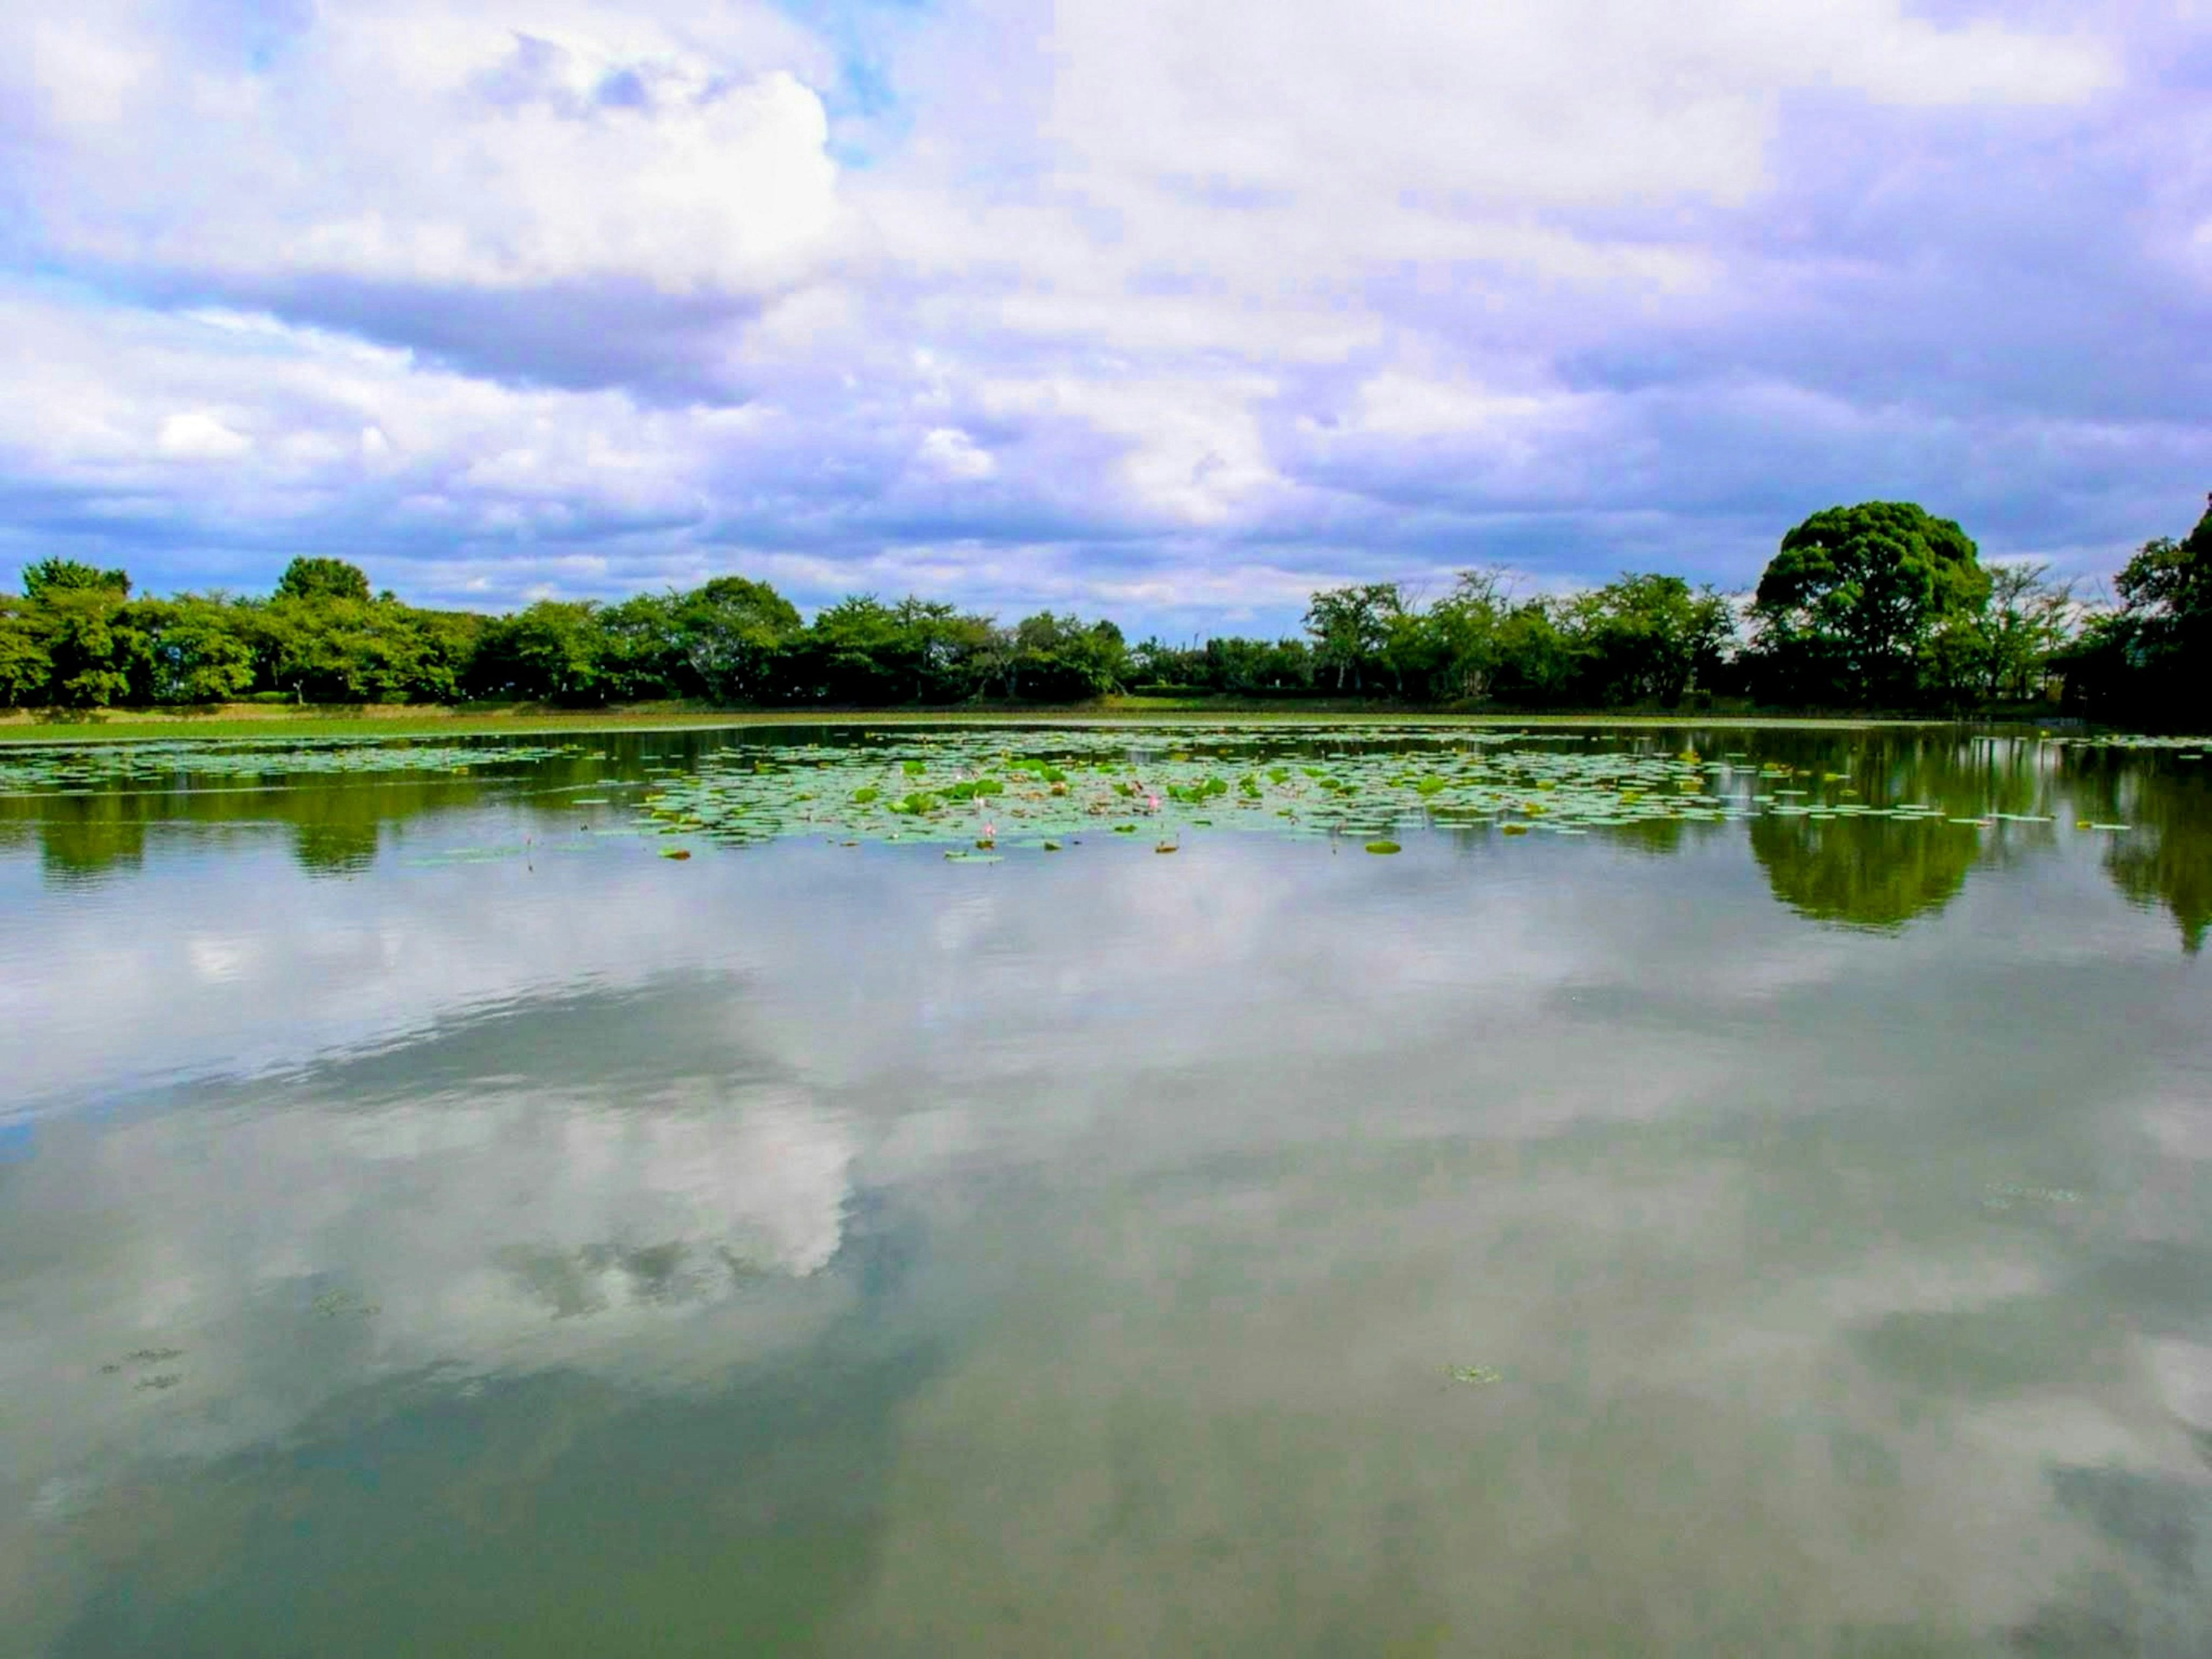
x,y
1778,1220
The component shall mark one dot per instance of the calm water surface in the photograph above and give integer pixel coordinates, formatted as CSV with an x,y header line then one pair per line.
x,y
430,1226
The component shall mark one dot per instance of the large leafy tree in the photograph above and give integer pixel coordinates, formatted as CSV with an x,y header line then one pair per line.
x,y
50,578
1646,638
550,651
78,619
1351,627
196,651
2167,588
1854,597
2149,661
1538,654
728,633
1061,659
318,578
25,667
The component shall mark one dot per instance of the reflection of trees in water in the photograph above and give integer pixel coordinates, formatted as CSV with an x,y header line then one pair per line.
x,y
83,837
1663,836
334,849
2165,857
335,825
1882,873
1869,873
1866,871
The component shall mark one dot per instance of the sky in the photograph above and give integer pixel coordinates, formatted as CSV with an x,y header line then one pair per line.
x,y
1172,313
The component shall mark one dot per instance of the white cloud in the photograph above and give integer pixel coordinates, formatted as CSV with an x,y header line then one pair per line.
x,y
393,143
1191,448
1396,404
953,452
85,76
200,437
1188,277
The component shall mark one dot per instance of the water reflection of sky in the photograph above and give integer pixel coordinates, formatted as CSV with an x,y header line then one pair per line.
x,y
1136,1204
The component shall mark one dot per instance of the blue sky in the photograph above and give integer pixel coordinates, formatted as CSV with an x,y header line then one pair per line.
x,y
1170,312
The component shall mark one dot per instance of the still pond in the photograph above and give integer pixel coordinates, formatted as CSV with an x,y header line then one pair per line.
x,y
1051,1190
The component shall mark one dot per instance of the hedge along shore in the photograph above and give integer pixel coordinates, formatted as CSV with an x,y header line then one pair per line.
x,y
264,720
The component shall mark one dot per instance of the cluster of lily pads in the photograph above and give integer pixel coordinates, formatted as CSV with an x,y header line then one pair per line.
x,y
2189,747
977,791
2004,1194
62,770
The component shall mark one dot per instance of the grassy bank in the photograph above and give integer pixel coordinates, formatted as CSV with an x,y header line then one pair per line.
x,y
264,720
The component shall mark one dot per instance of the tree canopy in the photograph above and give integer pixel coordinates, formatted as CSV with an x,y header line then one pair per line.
x,y
1850,607
317,578
2149,662
1881,605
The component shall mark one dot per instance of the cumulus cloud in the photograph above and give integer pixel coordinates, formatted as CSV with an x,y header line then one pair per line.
x,y
954,453
1104,301
199,436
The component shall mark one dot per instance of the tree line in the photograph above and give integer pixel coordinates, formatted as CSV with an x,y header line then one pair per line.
x,y
1878,606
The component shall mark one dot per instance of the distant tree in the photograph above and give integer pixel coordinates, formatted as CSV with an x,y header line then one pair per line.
x,y
945,652
1245,668
196,650
551,652
1538,656
1846,606
1643,638
318,577
2029,620
93,650
1350,627
51,577
1463,630
1062,658
849,655
26,668
727,635
2149,662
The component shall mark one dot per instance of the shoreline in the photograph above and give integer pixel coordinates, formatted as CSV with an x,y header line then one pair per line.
x,y
251,723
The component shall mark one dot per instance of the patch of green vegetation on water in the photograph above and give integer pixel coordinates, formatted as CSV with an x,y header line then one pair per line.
x,y
58,768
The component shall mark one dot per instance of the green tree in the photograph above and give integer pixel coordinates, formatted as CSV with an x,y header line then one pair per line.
x,y
1537,656
1350,627
945,651
727,635
1463,626
317,578
642,656
331,650
48,577
2029,621
2149,662
849,655
1643,638
1056,658
197,649
1846,606
26,669
93,651
551,651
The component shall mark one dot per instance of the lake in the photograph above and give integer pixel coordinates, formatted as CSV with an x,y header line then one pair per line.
x,y
1708,1191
